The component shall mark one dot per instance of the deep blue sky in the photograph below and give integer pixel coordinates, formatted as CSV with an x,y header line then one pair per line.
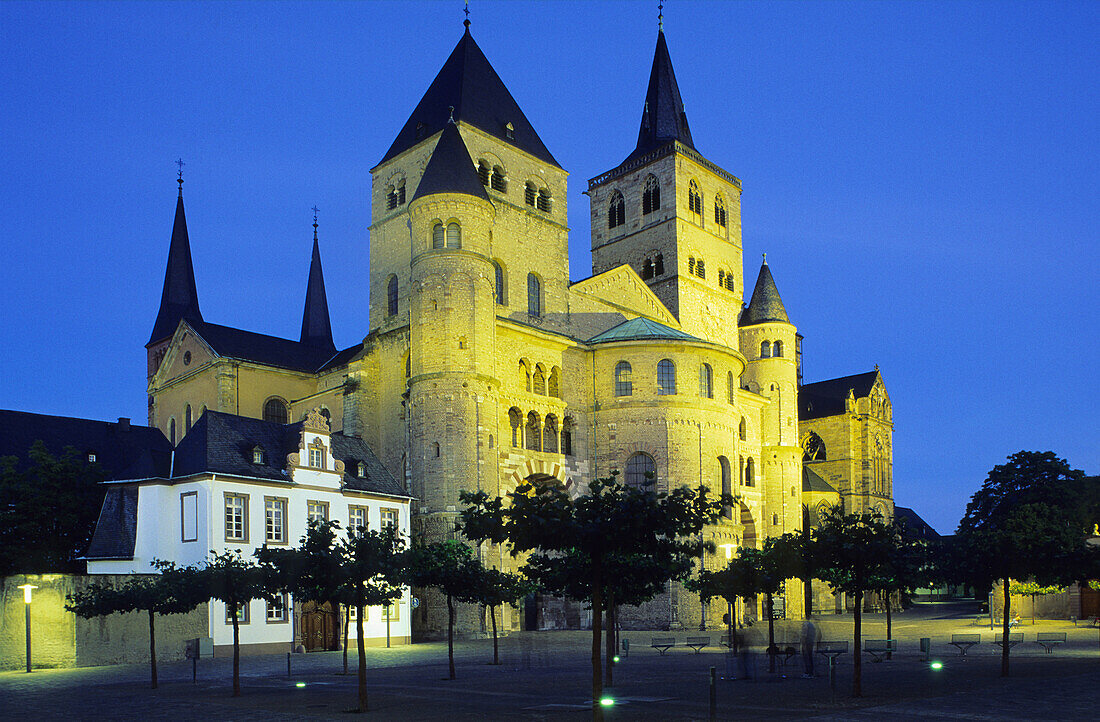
x,y
923,177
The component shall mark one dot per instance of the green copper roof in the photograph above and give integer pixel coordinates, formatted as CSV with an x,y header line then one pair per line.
x,y
811,481
640,328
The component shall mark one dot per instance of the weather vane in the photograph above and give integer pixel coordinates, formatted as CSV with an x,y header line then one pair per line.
x,y
314,209
180,163
466,10
660,15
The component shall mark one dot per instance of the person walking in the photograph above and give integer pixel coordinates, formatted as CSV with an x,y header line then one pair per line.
x,y
809,637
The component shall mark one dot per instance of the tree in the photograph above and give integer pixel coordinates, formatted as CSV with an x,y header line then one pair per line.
x,y
908,565
48,511
450,567
375,567
1023,523
494,588
1034,589
609,521
236,581
314,571
172,591
768,569
852,553
736,580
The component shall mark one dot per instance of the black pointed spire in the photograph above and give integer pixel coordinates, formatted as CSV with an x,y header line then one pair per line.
x,y
765,305
468,83
663,116
450,168
316,329
179,299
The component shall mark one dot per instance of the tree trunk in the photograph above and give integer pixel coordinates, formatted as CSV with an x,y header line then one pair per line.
x,y
731,640
451,636
361,673
153,650
889,625
234,609
857,658
609,634
597,616
493,617
347,623
1004,629
771,635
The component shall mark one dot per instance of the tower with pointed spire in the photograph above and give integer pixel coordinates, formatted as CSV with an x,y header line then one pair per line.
x,y
316,325
672,215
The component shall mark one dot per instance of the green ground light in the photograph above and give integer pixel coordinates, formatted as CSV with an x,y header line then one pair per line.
x,y
937,665
607,701
299,684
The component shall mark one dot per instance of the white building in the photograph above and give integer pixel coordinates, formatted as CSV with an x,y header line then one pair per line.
x,y
236,483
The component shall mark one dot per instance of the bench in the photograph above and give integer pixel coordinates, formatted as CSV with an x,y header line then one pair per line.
x,y
832,649
1014,638
879,648
724,641
697,643
1050,640
663,644
963,642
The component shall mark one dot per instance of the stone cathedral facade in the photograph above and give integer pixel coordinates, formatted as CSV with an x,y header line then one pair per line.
x,y
483,365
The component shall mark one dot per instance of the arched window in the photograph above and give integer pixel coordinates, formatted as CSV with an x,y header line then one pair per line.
x,y
543,202
651,195
539,381
741,429
454,235
623,385
729,281
706,382
750,472
700,269
727,484
436,448
550,435
691,265
391,197
732,390
567,437
399,192
777,349
497,181
498,288
659,265
172,431
276,411
534,295
765,349
552,384
616,210
257,455
187,419
666,378
695,199
533,432
640,470
515,418
525,373
647,270
483,172
391,297
813,448
720,211
529,193
438,235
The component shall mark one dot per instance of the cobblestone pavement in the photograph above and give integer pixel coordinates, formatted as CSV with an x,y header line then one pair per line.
x,y
546,676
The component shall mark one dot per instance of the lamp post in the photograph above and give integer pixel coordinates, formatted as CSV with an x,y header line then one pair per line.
x,y
27,608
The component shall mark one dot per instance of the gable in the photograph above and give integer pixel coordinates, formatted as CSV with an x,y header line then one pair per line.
x,y
623,289
186,353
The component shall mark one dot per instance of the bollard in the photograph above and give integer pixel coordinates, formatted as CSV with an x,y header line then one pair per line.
x,y
832,678
713,695
925,647
626,647
194,669
288,664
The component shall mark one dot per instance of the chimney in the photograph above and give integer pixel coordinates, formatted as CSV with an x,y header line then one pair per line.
x,y
123,423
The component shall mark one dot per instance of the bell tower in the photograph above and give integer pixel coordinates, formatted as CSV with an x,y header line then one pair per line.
x,y
673,215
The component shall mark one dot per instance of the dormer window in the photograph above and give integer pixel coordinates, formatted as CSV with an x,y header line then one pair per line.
x,y
257,455
509,131
361,470
316,455
91,457
419,131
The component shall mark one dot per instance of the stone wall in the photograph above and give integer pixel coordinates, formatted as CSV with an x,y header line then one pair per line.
x,y
60,639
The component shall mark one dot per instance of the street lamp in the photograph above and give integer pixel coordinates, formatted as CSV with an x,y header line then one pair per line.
x,y
27,607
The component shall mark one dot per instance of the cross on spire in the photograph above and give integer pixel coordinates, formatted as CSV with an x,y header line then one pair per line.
x,y
314,209
466,10
661,16
181,164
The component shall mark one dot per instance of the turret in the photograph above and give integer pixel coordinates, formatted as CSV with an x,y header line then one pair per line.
x,y
316,327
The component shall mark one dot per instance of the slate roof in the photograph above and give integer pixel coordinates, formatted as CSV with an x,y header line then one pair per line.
x,y
450,169
268,350
223,443
178,299
316,329
812,481
122,450
826,398
663,116
765,304
641,328
915,527
468,83
116,528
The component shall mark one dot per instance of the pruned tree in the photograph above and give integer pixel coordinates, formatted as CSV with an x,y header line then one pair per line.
x,y
172,591
450,567
494,588
374,562
1023,523
769,569
909,565
609,521
235,581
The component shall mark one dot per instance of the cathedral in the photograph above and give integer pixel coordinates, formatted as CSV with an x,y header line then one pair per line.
x,y
484,366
